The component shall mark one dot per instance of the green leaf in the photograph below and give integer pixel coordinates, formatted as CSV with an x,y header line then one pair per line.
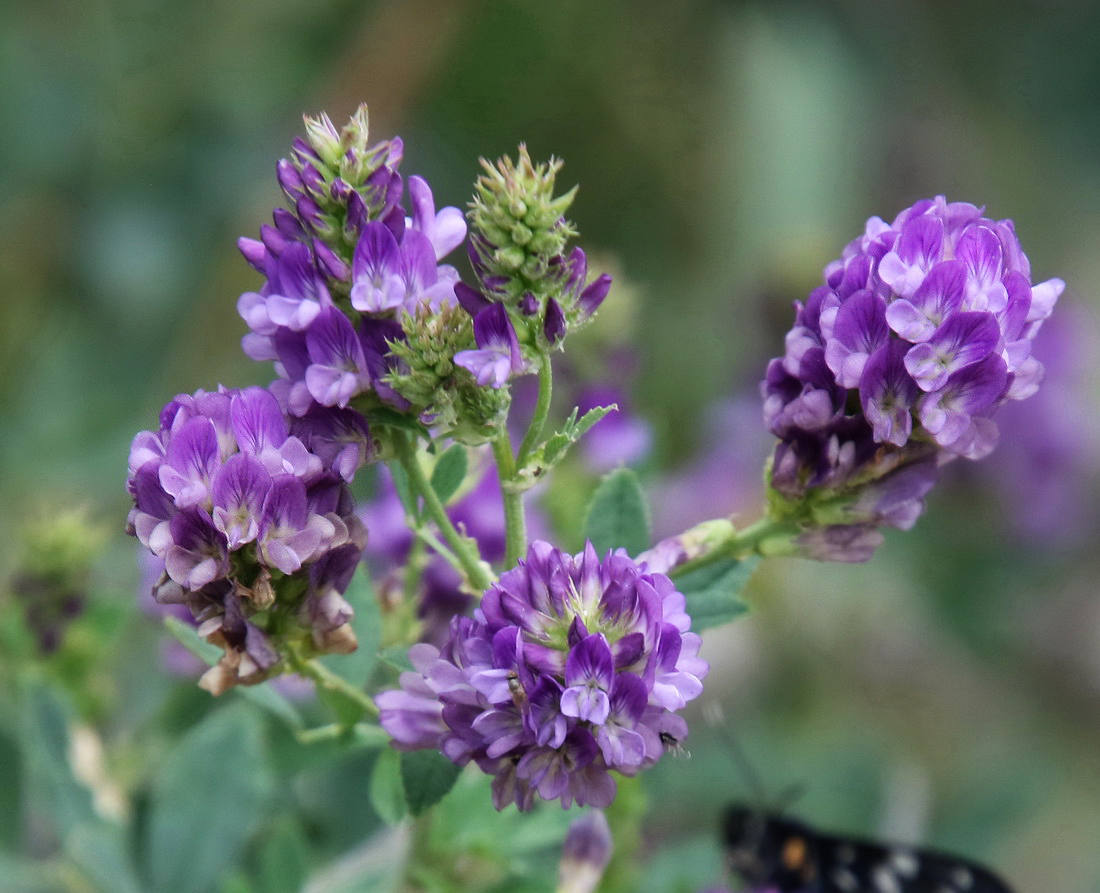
x,y
54,794
262,695
284,858
450,472
386,794
348,710
210,796
466,822
426,776
618,516
100,850
404,488
397,657
97,847
26,875
190,639
553,451
713,593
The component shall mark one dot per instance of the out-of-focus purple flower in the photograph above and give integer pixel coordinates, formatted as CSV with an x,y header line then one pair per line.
x,y
922,330
570,667
620,438
718,481
234,505
1043,472
585,854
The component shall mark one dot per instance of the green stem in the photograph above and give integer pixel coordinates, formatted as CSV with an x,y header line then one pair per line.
x,y
363,734
325,678
428,538
515,520
542,410
749,539
463,548
742,543
414,569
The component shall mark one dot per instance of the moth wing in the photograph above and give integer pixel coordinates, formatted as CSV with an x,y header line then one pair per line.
x,y
861,866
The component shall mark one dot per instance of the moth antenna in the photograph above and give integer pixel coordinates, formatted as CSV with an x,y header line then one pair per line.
x,y
715,718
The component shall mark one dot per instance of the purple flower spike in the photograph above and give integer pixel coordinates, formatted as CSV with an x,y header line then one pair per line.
x,y
498,357
927,320
230,501
345,247
570,667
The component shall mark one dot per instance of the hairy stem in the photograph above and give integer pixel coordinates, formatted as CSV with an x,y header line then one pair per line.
x,y
739,544
462,548
515,521
324,677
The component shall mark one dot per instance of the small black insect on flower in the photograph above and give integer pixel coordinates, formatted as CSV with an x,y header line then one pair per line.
x,y
774,854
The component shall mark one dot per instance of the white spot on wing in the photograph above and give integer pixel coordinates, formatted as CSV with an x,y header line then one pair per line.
x,y
845,880
963,878
885,880
904,863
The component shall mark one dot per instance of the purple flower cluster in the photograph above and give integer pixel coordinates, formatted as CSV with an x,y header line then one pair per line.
x,y
251,521
569,668
922,329
344,268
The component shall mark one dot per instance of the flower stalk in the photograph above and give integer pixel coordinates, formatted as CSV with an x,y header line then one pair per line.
x,y
322,676
463,550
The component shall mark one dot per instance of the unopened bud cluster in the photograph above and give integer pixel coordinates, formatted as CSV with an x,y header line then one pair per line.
x,y
532,289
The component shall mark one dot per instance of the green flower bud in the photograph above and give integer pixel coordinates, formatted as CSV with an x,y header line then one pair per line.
x,y
519,227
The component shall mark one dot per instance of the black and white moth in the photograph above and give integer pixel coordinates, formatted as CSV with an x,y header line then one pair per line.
x,y
775,854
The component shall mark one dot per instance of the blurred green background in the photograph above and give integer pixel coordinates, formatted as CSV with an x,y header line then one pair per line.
x,y
947,692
